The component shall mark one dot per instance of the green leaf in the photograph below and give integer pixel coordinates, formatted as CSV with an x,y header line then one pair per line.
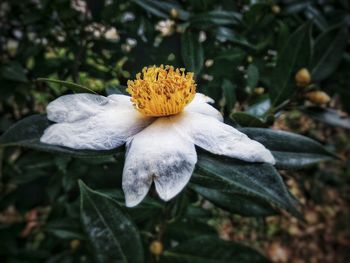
x,y
314,15
246,120
147,209
216,18
252,76
64,228
328,52
27,133
192,52
328,116
224,33
261,107
291,151
188,228
295,7
73,86
13,71
234,55
229,91
210,249
162,8
235,203
112,234
259,181
294,56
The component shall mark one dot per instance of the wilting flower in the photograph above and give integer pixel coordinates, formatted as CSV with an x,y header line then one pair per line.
x,y
160,123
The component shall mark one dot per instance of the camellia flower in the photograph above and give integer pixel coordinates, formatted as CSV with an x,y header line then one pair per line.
x,y
160,123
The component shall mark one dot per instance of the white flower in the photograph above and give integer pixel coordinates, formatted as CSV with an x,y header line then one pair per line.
x,y
112,34
165,27
160,123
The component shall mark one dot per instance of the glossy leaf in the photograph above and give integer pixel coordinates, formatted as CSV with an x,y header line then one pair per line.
x,y
314,15
192,52
246,120
291,151
328,116
162,8
259,181
147,209
216,18
229,91
64,228
188,228
328,52
112,234
68,84
261,107
13,71
295,55
209,249
27,133
235,203
252,76
226,34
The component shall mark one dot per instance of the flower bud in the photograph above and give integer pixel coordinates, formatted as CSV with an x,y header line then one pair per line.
x,y
275,9
249,59
156,248
259,91
174,13
318,97
303,77
74,244
209,62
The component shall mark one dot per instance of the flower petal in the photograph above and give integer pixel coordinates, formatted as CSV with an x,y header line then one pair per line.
x,y
160,153
201,98
105,130
200,105
222,139
71,108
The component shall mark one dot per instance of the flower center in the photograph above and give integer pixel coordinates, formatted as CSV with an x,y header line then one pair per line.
x,y
161,91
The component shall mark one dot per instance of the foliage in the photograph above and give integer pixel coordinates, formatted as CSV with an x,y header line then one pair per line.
x,y
245,54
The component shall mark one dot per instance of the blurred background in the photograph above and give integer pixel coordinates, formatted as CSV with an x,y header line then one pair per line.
x,y
234,49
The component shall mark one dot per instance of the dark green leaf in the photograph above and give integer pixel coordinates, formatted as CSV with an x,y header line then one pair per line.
x,y
246,120
73,86
258,181
291,151
27,133
261,107
64,228
162,8
112,234
328,52
192,52
188,228
13,71
235,203
226,34
294,56
296,7
147,209
316,17
229,91
234,55
252,76
216,18
328,116
211,250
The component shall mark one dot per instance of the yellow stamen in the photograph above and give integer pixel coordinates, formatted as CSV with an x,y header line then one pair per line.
x,y
161,91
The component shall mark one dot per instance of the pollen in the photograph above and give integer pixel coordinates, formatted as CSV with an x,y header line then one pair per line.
x,y
161,91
